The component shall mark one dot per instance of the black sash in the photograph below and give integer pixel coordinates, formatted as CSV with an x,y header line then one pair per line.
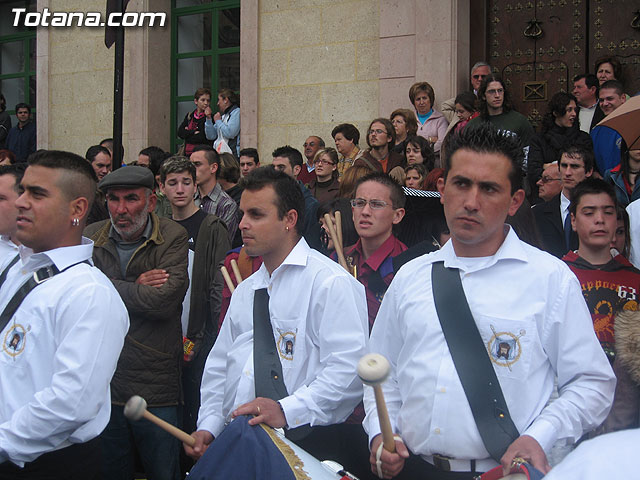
x,y
39,276
472,363
267,369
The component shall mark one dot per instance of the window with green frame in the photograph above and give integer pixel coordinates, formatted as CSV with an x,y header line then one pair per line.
x,y
17,58
205,52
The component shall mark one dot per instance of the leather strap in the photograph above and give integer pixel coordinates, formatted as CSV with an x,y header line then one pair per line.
x,y
472,362
39,276
267,369
3,275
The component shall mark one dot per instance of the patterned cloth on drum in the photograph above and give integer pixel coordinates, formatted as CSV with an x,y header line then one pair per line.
x,y
519,472
245,452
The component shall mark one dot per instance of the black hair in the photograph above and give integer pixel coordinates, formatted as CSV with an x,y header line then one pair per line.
x,y
23,105
94,150
288,193
573,151
81,180
590,80
17,170
591,186
486,138
156,157
468,101
557,107
426,151
209,153
613,85
293,155
506,103
250,152
398,198
348,131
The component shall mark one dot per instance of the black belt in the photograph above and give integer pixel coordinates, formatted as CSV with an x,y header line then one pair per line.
x,y
442,463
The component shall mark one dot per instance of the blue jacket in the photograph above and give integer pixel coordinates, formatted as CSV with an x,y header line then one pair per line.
x,y
606,147
614,177
228,126
22,141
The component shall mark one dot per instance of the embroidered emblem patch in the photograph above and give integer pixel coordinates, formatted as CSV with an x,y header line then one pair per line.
x,y
14,340
286,344
504,347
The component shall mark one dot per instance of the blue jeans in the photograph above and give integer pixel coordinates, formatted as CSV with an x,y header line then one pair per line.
x,y
159,451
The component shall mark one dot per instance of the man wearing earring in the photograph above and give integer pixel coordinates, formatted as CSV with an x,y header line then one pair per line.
x,y
318,342
60,346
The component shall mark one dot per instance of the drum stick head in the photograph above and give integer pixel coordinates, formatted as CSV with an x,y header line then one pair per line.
x,y
373,369
135,407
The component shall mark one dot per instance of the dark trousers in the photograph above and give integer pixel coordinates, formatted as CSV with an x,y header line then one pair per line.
x,y
159,451
415,468
76,462
345,443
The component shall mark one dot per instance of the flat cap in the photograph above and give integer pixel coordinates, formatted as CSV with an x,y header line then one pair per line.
x,y
128,177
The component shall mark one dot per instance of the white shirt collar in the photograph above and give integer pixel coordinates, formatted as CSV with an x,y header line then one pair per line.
x,y
297,256
511,249
62,257
564,202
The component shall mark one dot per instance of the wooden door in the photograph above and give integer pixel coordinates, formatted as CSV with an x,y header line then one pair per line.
x,y
615,30
539,46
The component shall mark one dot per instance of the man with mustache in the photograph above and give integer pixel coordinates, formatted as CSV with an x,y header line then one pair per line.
x,y
146,259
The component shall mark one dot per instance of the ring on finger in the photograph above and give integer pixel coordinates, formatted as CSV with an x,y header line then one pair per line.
x,y
258,407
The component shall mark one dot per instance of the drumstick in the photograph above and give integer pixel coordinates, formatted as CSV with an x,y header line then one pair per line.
x,y
136,408
338,217
373,369
334,237
236,270
227,278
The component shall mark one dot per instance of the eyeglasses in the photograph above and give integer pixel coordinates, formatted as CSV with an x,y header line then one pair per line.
x,y
476,77
310,144
322,161
548,179
497,91
377,131
374,204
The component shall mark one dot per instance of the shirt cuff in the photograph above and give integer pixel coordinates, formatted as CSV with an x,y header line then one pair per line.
x,y
295,411
543,432
213,424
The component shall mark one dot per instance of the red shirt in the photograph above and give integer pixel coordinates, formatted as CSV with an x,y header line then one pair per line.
x,y
390,248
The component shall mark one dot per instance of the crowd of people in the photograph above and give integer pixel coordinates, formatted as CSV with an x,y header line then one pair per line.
x,y
216,287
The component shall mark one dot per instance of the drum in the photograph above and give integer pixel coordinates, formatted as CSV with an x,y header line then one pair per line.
x,y
259,452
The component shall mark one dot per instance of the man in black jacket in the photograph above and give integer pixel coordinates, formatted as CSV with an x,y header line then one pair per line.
x,y
552,217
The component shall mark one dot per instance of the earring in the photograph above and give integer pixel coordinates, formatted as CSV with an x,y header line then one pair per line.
x,y
75,222
286,228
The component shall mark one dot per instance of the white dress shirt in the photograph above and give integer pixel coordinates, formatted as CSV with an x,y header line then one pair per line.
x,y
313,303
608,456
633,209
564,207
8,250
58,354
521,298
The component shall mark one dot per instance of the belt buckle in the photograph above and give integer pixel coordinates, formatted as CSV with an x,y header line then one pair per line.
x,y
441,462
